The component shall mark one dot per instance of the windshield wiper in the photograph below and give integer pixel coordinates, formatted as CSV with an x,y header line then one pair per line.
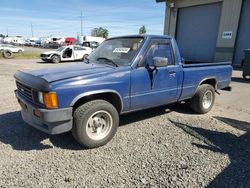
x,y
107,60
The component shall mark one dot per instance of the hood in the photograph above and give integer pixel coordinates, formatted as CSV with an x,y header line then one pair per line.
x,y
70,71
51,52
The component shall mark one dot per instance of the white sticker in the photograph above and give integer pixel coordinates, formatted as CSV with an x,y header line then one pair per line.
x,y
121,50
227,34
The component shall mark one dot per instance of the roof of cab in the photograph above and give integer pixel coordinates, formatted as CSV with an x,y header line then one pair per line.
x,y
143,36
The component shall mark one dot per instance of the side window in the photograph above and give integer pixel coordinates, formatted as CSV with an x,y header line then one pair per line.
x,y
159,50
79,48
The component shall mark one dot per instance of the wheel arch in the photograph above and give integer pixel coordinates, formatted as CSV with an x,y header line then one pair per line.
x,y
210,81
110,96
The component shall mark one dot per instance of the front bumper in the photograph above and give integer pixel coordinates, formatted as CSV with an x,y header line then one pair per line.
x,y
45,58
49,121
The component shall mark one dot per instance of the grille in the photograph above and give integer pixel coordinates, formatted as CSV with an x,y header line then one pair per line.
x,y
24,90
43,55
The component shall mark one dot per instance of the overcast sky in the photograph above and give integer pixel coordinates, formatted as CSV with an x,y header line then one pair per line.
x,y
62,17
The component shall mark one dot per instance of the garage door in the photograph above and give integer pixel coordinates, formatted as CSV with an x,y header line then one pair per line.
x,y
197,31
243,36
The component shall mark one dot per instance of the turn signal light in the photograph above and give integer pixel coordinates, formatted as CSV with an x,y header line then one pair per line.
x,y
50,100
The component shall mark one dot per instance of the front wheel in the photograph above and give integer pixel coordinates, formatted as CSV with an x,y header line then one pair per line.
x,y
203,100
55,59
95,123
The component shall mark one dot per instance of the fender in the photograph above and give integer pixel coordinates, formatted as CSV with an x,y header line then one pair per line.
x,y
205,79
88,93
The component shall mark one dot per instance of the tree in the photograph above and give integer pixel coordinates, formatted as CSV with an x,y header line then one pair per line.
x,y
142,30
2,36
100,32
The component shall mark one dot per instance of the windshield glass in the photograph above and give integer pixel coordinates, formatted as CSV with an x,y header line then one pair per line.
x,y
119,50
60,49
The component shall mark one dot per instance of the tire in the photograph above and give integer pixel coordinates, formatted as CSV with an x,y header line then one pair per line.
x,y
244,76
20,51
55,59
203,100
104,119
85,55
7,54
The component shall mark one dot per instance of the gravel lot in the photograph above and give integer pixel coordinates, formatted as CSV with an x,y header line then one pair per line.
x,y
162,147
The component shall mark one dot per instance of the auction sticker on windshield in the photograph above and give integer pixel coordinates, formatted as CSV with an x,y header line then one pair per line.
x,y
121,50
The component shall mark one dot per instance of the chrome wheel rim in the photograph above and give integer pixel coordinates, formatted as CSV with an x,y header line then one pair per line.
x,y
99,125
207,99
56,59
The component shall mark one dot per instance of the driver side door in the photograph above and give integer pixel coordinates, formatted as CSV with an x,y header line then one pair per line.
x,y
67,54
153,86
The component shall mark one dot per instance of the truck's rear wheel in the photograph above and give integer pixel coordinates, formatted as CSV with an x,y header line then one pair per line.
x,y
203,100
95,123
55,59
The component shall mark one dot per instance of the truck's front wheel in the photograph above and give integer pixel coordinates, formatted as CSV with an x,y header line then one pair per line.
x,y
95,123
203,100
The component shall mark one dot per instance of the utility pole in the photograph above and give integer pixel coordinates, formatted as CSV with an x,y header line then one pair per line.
x,y
81,25
31,27
7,31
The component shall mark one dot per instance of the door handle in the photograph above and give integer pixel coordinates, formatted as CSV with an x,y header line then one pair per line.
x,y
172,74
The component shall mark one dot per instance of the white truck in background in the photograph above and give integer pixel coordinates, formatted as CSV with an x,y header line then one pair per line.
x,y
90,41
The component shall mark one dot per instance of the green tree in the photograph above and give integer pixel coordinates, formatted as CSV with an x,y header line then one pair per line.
x,y
100,32
142,30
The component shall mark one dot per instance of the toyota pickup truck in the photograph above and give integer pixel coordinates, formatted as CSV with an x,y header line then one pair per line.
x,y
124,74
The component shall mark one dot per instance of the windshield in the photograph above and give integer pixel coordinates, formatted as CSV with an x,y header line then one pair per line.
x,y
119,50
60,49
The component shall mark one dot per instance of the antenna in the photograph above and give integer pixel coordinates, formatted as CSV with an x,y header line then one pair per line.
x,y
7,31
81,25
31,27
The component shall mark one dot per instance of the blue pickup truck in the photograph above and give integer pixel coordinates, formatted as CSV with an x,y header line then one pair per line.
x,y
124,74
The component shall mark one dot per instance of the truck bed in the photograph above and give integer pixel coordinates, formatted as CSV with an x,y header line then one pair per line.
x,y
194,74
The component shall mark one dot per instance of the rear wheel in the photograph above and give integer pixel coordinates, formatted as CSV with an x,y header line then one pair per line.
x,y
95,123
203,100
244,76
55,59
85,56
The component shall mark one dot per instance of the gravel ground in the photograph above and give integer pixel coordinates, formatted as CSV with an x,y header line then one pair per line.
x,y
161,147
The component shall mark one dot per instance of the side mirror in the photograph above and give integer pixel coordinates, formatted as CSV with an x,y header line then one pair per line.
x,y
160,61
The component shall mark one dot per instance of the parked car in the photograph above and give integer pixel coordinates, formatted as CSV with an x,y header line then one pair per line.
x,y
124,74
30,42
12,48
66,53
92,45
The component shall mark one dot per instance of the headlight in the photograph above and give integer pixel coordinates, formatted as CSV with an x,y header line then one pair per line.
x,y
40,97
